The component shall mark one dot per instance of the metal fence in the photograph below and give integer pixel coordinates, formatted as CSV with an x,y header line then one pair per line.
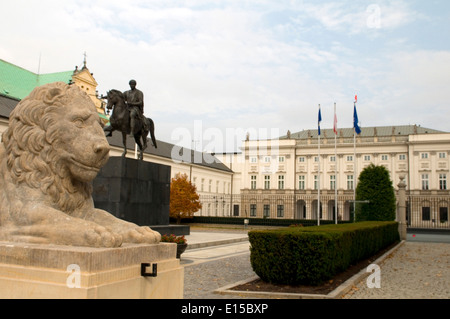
x,y
259,221
425,211
428,212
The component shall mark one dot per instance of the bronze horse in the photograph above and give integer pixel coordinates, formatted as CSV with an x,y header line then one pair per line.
x,y
120,121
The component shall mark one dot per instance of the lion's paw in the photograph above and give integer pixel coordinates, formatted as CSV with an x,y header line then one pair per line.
x,y
100,237
141,235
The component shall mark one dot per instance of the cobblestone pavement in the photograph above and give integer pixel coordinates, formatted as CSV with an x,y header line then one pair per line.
x,y
201,280
414,271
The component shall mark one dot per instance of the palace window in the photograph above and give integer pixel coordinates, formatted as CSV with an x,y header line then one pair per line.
x,y
301,182
349,158
442,181
402,157
316,181
253,159
267,182
425,185
424,155
367,157
349,182
280,210
301,159
443,214
442,155
384,157
253,182
281,182
426,213
266,210
333,182
253,210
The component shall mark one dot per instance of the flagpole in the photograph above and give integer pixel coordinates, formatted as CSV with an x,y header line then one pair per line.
x,y
356,130
335,167
318,176
355,123
354,175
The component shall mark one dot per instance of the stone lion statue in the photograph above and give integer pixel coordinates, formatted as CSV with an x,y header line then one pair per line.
x,y
50,153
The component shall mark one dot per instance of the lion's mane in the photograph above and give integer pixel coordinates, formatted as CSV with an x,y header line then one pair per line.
x,y
30,142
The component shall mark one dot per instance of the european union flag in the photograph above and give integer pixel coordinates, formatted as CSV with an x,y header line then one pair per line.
x,y
355,120
320,120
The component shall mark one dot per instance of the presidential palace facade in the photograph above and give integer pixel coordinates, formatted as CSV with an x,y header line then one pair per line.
x,y
279,178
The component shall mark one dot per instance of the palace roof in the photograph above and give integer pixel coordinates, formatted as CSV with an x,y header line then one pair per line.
x,y
17,83
382,132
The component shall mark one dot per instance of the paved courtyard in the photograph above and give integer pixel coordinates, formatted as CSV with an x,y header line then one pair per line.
x,y
419,269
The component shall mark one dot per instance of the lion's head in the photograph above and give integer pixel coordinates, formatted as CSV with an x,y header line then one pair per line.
x,y
55,143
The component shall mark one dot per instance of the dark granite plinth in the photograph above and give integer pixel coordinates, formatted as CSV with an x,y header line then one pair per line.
x,y
133,190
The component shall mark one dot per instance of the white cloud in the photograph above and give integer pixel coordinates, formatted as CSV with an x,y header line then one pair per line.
x,y
408,88
356,17
419,80
235,63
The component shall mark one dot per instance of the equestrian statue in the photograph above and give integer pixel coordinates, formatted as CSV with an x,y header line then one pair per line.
x,y
128,118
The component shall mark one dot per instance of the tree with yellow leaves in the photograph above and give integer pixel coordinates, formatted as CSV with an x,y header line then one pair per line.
x,y
184,200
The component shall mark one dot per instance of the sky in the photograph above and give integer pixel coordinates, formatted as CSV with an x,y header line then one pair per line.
x,y
211,71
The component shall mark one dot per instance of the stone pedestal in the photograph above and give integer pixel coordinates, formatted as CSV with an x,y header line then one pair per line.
x,y
51,271
133,190
138,192
401,214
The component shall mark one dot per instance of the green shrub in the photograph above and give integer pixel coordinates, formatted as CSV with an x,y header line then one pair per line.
x,y
375,185
311,255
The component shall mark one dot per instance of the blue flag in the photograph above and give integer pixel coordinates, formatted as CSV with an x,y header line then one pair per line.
x,y
355,120
320,120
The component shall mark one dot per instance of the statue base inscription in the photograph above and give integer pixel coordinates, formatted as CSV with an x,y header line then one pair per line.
x,y
33,271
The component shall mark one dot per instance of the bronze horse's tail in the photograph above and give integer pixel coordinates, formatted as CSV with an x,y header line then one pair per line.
x,y
152,131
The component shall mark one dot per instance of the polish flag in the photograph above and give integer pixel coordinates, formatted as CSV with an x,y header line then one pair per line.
x,y
335,121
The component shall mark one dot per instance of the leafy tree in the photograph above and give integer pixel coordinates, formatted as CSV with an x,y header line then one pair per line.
x,y
375,185
184,200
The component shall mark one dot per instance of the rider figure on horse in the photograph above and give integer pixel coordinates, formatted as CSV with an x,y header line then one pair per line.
x,y
135,101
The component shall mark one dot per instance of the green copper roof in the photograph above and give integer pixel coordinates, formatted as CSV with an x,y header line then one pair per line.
x,y
17,83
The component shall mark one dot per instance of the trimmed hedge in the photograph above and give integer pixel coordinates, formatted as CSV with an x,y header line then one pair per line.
x,y
312,255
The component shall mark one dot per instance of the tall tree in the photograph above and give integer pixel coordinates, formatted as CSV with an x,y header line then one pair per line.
x,y
375,185
184,200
